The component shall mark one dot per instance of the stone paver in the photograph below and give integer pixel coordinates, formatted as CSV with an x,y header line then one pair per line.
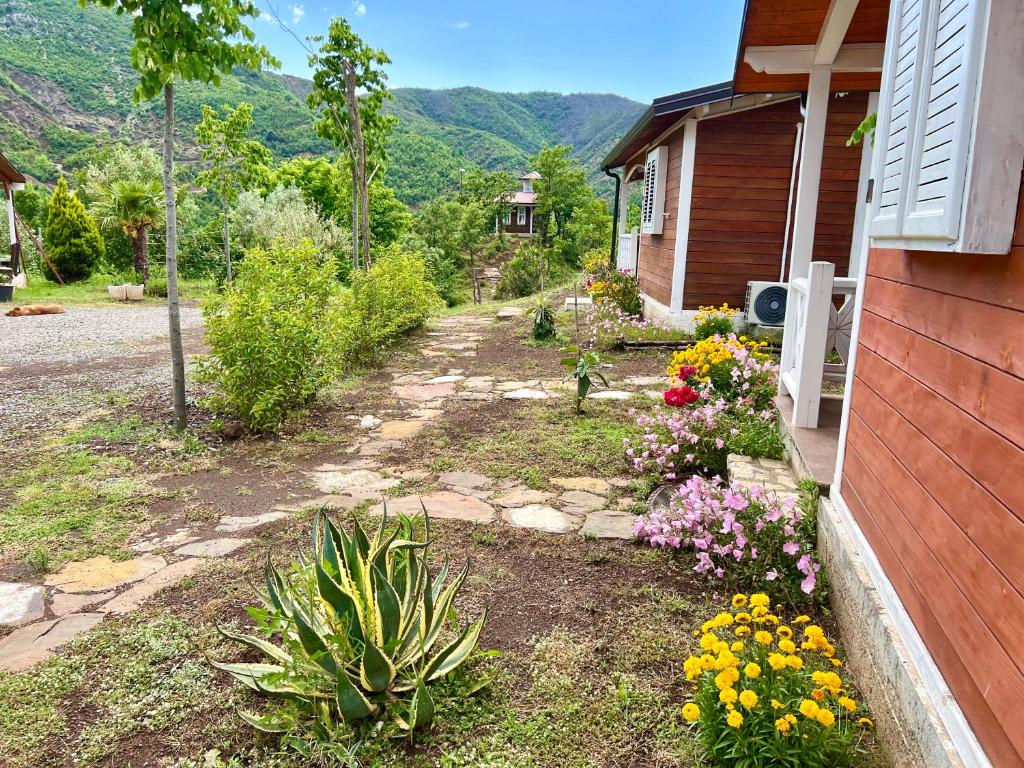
x,y
447,505
506,313
212,547
591,484
132,598
236,523
508,386
465,479
447,379
773,476
33,643
99,573
581,500
476,396
609,524
609,394
540,517
401,429
526,394
521,497
369,422
420,393
327,500
62,604
644,381
165,541
331,480
21,603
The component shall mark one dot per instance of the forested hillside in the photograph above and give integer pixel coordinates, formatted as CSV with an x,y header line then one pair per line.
x,y
66,82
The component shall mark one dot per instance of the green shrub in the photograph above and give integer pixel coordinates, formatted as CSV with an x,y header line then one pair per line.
x,y
273,334
358,627
156,285
543,320
521,276
619,286
714,321
73,242
390,300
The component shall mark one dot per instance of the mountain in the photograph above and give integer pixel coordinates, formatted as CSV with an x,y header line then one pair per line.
x,y
66,83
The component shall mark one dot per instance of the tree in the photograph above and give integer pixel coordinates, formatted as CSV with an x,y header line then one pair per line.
x,y
201,40
561,188
324,184
471,235
134,207
349,90
492,191
234,162
73,243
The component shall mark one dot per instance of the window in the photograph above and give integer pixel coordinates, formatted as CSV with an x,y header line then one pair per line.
x,y
652,207
521,216
527,185
949,156
508,217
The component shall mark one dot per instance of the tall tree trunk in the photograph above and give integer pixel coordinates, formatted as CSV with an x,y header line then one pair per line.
x,y
139,255
360,151
227,240
355,216
144,245
173,308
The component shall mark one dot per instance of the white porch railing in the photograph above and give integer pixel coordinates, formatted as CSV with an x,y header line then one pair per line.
x,y
819,330
629,250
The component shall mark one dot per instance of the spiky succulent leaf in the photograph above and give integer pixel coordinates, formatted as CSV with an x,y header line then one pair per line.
x,y
455,654
352,704
376,672
268,648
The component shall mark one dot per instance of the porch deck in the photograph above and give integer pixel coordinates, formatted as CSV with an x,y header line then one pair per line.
x,y
813,451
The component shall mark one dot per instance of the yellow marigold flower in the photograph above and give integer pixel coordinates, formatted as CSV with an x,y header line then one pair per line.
x,y
752,670
784,632
726,678
737,646
787,646
818,695
758,610
693,667
791,719
743,618
770,618
764,638
776,661
825,717
748,698
836,663
719,647
794,662
801,619
723,619
742,631
809,708
847,703
690,712
866,722
776,704
734,720
708,640
760,599
814,631
728,696
782,726
707,662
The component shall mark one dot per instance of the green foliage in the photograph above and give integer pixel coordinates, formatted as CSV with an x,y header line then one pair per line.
x,y
865,128
756,437
521,275
232,162
324,184
581,366
32,203
73,242
394,297
273,334
492,192
389,218
620,287
543,320
358,623
133,207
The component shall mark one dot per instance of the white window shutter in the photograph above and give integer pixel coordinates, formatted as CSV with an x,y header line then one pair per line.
x,y
945,116
653,205
896,115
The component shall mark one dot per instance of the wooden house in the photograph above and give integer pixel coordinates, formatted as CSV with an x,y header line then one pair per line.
x,y
12,180
519,216
719,171
922,455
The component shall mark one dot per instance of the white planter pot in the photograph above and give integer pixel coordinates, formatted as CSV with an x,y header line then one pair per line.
x,y
134,292
118,292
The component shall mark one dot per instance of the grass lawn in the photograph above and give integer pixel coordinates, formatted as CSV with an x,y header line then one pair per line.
x,y
93,292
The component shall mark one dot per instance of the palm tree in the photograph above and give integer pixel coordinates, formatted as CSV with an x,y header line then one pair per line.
x,y
134,207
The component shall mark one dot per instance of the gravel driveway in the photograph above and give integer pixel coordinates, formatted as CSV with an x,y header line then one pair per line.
x,y
53,367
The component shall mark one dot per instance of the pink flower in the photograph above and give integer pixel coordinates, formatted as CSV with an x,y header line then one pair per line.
x,y
791,548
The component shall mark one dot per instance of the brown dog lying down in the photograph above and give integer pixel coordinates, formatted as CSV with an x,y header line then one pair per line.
x,y
36,309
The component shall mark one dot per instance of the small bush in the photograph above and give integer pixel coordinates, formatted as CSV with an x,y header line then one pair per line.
x,y
737,368
156,285
543,320
619,286
273,334
762,700
521,276
595,261
714,321
393,298
73,242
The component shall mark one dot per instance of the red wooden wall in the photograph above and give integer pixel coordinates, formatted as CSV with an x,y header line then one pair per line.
x,y
657,252
516,229
934,468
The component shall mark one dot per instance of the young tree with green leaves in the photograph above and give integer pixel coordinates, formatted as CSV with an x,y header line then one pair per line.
x,y
201,41
349,90
233,161
493,191
135,207
561,188
73,243
472,234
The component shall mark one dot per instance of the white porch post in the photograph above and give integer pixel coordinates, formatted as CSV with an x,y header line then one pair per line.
x,y
683,216
818,92
623,200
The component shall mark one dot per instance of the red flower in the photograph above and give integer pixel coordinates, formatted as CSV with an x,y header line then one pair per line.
x,y
686,372
680,397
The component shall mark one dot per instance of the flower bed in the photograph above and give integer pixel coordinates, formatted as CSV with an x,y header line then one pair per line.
x,y
606,325
770,694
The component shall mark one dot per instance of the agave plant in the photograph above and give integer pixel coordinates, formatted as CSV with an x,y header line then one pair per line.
x,y
543,320
359,625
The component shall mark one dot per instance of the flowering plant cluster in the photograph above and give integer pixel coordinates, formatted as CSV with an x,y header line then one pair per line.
x,y
770,694
737,368
606,325
714,321
618,285
741,532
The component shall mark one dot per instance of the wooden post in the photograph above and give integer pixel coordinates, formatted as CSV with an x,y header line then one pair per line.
x,y
811,337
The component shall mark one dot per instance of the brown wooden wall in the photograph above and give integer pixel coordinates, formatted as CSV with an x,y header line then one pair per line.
x,y
934,468
516,229
657,252
741,190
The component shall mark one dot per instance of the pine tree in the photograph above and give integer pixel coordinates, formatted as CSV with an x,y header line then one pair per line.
x,y
73,241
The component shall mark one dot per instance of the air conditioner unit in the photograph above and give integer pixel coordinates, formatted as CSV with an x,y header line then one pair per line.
x,y
766,303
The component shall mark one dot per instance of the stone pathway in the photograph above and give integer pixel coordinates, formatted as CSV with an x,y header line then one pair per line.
x,y
773,476
78,597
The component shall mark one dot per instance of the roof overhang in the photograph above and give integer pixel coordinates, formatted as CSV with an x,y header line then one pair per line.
x,y
781,40
8,173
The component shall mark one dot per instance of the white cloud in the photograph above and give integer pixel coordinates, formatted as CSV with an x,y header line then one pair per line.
x,y
358,8
457,24
298,11
267,17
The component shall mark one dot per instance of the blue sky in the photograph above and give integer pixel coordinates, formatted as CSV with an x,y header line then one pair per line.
x,y
640,49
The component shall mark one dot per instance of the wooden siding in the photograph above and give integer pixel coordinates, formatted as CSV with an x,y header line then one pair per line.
x,y
516,229
657,252
741,191
934,461
798,22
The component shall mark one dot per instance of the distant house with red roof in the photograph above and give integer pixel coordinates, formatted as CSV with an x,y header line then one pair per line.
x,y
519,216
